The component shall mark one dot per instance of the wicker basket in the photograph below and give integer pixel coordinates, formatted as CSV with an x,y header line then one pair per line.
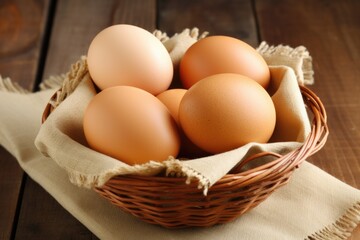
x,y
169,202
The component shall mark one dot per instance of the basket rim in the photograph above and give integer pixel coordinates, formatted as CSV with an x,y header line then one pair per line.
x,y
169,202
282,164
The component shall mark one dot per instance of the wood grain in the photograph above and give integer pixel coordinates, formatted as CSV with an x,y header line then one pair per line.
x,y
232,18
22,24
43,218
331,32
22,32
11,176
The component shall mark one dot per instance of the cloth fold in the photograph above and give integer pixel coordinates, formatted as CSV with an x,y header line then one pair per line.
x,y
88,168
313,205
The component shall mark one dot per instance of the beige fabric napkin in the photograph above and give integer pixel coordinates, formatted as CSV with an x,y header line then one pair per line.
x,y
313,205
88,168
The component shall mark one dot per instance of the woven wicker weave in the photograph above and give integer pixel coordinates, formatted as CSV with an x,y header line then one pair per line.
x,y
169,202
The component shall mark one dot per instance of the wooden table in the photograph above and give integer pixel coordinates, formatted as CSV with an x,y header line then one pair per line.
x,y
39,38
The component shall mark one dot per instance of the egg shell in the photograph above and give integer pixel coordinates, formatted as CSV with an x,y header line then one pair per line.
x,y
171,99
226,111
131,125
129,55
222,54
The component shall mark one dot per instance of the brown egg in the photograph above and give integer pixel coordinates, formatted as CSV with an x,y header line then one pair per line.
x,y
131,125
226,111
171,99
222,54
128,55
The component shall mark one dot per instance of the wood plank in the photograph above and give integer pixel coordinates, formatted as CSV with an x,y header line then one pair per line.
x,y
331,32
11,176
75,24
42,217
232,18
22,25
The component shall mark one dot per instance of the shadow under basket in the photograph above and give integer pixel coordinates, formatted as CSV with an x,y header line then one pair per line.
x,y
169,202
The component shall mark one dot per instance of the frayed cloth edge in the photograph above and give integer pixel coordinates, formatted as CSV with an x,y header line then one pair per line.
x,y
172,166
342,228
193,33
177,168
6,85
304,72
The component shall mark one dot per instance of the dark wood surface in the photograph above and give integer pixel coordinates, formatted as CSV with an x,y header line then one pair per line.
x,y
39,38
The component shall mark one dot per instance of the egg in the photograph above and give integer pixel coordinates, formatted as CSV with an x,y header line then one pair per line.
x,y
131,125
171,99
222,54
226,111
129,55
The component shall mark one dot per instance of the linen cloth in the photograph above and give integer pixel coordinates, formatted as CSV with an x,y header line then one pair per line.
x,y
313,203
88,168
